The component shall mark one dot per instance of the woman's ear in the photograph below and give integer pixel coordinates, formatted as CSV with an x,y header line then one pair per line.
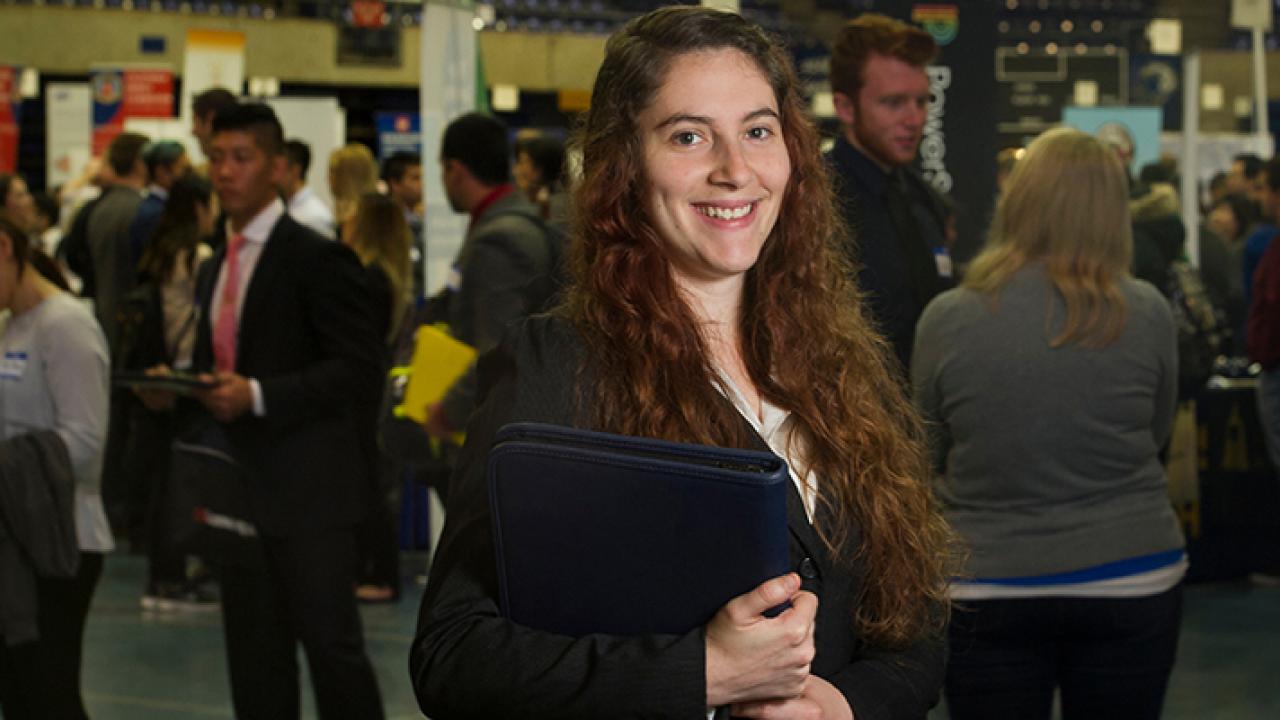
x,y
6,246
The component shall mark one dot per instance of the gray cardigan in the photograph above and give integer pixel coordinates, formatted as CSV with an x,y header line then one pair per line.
x,y
37,527
1050,455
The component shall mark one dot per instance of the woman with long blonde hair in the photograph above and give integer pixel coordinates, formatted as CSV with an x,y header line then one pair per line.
x,y
353,172
708,306
381,238
1050,376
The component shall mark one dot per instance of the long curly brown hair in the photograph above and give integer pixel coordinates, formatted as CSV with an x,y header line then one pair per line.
x,y
806,339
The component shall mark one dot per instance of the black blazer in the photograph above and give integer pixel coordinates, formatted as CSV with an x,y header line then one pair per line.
x,y
308,336
469,662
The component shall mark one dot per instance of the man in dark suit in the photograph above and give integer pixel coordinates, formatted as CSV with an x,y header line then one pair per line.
x,y
900,250
286,330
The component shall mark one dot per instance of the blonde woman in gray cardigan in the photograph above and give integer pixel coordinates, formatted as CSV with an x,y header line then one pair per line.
x,y
1050,380
54,376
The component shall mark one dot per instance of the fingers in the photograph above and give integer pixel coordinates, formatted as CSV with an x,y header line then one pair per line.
x,y
804,603
798,708
749,607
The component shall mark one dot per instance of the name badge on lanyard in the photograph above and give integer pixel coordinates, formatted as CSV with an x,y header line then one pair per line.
x,y
14,365
943,260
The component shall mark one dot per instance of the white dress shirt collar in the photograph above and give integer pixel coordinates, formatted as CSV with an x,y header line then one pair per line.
x,y
300,197
260,227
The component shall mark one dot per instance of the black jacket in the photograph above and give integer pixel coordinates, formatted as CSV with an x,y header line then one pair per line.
x,y
308,336
469,662
37,527
898,280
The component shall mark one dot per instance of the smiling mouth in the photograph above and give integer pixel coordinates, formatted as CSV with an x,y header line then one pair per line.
x,y
719,212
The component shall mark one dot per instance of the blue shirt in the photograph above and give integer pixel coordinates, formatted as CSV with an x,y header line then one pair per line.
x,y
144,223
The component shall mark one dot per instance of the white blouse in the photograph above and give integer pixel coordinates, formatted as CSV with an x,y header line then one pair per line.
x,y
777,428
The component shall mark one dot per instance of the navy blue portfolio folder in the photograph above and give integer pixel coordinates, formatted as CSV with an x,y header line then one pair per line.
x,y
600,533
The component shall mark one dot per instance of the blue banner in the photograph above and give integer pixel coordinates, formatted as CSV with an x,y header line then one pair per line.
x,y
398,132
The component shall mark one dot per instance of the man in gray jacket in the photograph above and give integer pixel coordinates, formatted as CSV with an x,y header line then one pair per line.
x,y
509,263
109,231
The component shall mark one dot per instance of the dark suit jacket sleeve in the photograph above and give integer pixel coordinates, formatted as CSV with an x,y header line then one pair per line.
x,y
469,662
347,371
894,685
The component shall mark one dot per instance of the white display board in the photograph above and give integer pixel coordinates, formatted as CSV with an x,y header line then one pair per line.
x,y
211,58
448,90
68,129
319,122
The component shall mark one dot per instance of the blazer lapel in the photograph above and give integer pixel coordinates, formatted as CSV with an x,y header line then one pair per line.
x,y
797,519
254,310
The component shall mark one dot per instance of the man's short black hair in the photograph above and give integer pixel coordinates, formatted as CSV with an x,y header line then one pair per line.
x,y
256,119
1157,172
213,100
298,153
1251,163
547,154
480,143
1218,181
394,167
124,151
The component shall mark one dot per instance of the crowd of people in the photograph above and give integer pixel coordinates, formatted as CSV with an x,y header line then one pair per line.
x,y
978,503
238,274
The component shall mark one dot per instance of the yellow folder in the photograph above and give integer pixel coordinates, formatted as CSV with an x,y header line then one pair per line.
x,y
438,361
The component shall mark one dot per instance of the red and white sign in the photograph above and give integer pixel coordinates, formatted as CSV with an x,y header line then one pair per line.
x,y
119,94
10,103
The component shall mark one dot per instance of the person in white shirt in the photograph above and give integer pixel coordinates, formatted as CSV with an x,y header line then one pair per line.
x,y
304,205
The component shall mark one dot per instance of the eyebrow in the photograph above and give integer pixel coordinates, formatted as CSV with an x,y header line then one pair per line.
x,y
704,120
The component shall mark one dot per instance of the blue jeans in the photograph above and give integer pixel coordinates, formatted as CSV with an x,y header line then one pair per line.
x,y
1268,397
1110,657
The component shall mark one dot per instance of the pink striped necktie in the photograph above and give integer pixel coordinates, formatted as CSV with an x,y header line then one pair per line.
x,y
224,328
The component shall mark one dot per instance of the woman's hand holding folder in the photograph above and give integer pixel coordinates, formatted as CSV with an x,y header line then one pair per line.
x,y
751,657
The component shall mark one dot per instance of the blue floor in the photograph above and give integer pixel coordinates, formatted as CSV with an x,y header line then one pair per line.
x,y
143,666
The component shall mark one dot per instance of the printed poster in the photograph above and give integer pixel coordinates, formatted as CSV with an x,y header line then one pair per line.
x,y
398,132
120,93
68,129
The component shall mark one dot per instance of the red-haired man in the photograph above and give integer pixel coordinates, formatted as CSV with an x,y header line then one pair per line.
x,y
881,94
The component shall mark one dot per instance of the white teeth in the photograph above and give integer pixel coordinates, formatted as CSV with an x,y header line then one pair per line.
x,y
726,213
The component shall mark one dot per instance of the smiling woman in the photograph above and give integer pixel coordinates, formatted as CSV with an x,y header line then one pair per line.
x,y
708,306
718,168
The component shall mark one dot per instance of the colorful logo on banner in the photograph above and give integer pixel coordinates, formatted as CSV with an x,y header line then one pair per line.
x,y
10,106
940,21
398,132
127,93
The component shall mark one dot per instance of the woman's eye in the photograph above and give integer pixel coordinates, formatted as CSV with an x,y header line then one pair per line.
x,y
686,138
760,133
